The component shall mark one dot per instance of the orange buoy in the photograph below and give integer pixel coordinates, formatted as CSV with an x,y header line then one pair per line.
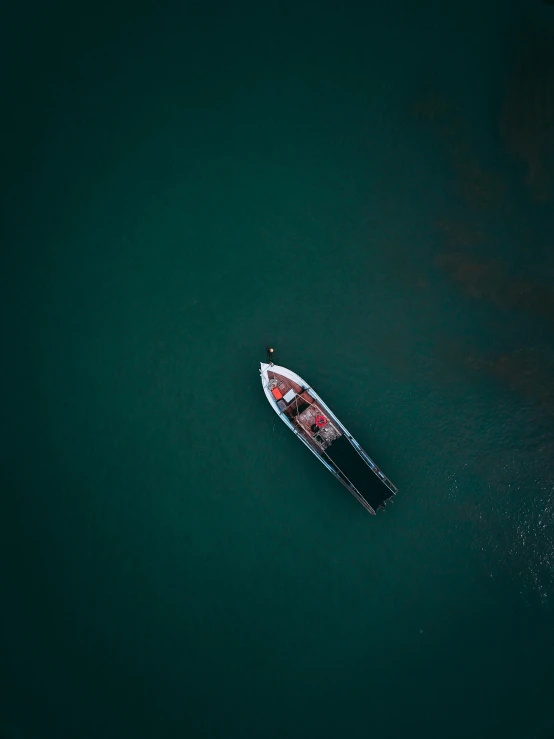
x,y
320,421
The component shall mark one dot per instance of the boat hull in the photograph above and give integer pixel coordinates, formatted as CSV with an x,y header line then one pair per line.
x,y
314,423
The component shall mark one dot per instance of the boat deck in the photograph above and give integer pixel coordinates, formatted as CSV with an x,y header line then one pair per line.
x,y
286,383
304,417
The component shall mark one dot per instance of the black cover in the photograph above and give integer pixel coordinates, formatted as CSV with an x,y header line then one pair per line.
x,y
360,474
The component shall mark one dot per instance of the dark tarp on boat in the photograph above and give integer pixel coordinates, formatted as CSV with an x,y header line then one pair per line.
x,y
351,465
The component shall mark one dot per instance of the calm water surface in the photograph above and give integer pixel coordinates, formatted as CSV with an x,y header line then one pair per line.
x,y
186,185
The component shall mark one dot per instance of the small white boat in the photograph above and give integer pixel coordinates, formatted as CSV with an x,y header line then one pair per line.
x,y
315,424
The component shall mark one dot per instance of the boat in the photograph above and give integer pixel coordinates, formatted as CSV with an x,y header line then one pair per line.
x,y
314,423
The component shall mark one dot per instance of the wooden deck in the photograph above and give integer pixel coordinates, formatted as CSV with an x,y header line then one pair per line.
x,y
327,433
306,419
285,384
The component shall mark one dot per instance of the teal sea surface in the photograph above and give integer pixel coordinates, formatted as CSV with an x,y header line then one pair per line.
x,y
369,189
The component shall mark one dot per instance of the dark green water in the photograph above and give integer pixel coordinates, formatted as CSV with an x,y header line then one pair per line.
x,y
184,185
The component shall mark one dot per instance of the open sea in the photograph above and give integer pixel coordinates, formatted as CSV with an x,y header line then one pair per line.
x,y
369,189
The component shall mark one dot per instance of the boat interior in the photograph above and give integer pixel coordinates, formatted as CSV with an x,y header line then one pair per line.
x,y
302,409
